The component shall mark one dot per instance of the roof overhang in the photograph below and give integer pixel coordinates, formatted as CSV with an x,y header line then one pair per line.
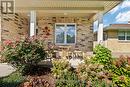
x,y
117,28
80,7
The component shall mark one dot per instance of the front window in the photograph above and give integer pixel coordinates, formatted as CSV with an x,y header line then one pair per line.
x,y
124,35
65,33
128,35
121,35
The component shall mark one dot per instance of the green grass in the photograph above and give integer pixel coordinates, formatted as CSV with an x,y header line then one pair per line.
x,y
13,80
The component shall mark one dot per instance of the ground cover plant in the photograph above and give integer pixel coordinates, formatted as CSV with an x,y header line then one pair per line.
x,y
13,80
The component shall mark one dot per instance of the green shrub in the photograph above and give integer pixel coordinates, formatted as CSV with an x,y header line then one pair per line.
x,y
59,67
68,79
65,75
13,80
102,55
121,72
101,83
25,53
118,68
91,72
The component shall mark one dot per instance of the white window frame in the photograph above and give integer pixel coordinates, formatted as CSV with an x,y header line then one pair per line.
x,y
65,35
125,35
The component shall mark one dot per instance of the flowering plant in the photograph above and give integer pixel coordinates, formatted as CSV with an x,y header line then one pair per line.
x,y
24,53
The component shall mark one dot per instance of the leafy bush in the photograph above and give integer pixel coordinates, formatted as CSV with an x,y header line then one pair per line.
x,y
117,68
25,53
59,67
65,75
68,79
102,70
89,72
102,55
121,72
93,74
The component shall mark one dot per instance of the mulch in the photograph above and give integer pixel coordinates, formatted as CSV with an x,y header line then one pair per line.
x,y
43,78
39,81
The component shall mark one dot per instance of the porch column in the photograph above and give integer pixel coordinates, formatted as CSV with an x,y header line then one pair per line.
x,y
100,28
0,32
32,23
0,26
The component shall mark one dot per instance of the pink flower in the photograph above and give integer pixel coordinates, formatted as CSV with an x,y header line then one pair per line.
x,y
17,39
1,48
7,42
14,46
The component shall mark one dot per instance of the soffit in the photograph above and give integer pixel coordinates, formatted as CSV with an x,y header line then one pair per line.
x,y
77,7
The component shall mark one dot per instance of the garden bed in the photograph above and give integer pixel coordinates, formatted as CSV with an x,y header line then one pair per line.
x,y
101,70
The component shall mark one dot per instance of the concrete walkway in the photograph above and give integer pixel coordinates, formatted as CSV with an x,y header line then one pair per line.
x,y
5,69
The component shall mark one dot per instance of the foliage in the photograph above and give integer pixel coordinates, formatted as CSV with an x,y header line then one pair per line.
x,y
59,67
25,53
68,79
121,72
117,68
94,74
101,83
12,80
89,72
65,75
102,55
102,70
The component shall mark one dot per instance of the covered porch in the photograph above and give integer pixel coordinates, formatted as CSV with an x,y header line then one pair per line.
x,y
66,24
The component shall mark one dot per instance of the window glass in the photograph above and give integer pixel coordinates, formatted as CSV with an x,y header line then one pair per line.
x,y
60,31
65,33
128,35
121,35
70,33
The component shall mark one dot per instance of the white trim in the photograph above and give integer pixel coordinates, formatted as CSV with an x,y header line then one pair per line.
x,y
65,35
0,26
32,23
100,28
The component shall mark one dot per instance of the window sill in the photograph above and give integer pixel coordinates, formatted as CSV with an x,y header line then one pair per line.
x,y
124,41
64,44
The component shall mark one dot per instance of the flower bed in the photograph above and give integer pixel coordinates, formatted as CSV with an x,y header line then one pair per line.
x,y
101,70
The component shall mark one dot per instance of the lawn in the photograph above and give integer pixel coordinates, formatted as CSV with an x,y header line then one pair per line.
x,y
13,80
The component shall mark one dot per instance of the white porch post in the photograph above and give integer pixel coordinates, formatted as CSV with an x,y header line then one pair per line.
x,y
0,27
32,23
100,28
0,31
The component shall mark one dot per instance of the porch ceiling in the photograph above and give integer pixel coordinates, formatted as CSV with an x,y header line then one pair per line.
x,y
72,7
